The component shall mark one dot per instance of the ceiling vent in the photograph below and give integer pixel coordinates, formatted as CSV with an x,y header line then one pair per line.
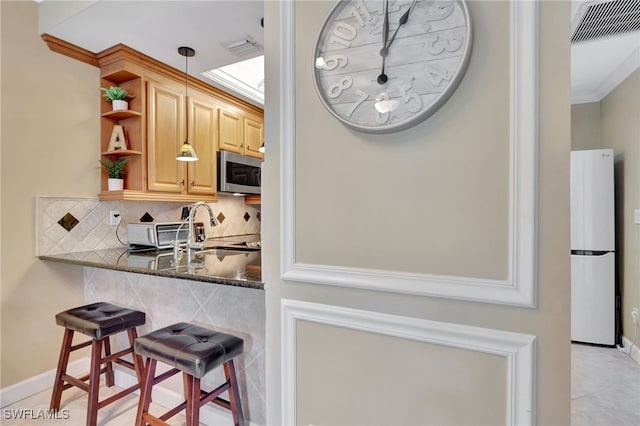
x,y
242,47
605,18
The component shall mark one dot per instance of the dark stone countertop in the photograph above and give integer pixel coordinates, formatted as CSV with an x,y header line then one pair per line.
x,y
219,266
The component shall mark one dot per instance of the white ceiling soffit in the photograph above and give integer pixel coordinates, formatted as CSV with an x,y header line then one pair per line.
x,y
158,28
245,77
605,46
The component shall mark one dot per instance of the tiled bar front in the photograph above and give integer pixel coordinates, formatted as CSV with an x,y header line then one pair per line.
x,y
236,310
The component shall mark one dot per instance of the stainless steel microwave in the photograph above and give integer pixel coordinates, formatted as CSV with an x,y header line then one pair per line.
x,y
238,174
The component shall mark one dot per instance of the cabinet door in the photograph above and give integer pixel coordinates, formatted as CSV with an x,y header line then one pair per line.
x,y
230,130
165,135
202,174
253,136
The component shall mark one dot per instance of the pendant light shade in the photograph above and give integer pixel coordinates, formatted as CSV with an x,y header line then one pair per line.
x,y
187,152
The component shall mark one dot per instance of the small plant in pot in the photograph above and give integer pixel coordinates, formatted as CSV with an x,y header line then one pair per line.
x,y
115,171
117,96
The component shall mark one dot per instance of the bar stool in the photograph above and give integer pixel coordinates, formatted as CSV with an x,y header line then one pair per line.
x,y
98,321
195,351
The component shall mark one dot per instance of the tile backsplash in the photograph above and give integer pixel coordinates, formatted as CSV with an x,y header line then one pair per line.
x,y
66,225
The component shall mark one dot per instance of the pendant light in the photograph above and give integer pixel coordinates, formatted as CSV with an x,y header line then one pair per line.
x,y
186,151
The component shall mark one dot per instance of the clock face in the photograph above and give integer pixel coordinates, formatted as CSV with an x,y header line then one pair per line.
x,y
383,66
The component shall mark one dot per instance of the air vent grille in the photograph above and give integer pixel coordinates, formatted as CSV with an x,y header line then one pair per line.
x,y
600,19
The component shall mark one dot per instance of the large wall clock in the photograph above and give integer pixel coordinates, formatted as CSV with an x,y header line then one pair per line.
x,y
383,66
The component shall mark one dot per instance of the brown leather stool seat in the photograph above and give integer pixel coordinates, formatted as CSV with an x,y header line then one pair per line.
x,y
194,351
98,321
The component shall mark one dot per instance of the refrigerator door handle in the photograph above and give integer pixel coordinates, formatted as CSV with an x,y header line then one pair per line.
x,y
591,252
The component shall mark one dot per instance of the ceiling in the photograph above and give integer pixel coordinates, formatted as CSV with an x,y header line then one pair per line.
x,y
158,28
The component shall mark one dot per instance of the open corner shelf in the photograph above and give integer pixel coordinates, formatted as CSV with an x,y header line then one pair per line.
x,y
121,115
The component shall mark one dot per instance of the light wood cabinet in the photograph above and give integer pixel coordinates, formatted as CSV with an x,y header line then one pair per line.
x,y
241,133
155,128
230,131
166,133
202,174
253,136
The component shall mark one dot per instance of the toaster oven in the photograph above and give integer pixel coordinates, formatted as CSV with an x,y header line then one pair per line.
x,y
159,235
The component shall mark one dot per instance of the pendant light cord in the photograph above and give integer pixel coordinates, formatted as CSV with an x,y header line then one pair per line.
x,y
186,94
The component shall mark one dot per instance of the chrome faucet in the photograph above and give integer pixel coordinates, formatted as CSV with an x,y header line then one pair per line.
x,y
192,212
191,245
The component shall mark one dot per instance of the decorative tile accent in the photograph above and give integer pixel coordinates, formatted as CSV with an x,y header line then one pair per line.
x,y
68,221
93,232
146,217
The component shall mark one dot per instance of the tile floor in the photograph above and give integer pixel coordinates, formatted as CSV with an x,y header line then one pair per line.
x,y
74,401
605,391
605,387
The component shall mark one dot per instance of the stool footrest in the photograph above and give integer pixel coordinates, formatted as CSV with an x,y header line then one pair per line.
x,y
80,345
77,382
118,395
117,355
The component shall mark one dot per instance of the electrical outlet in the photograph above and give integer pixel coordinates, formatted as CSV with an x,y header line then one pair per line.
x,y
634,315
114,217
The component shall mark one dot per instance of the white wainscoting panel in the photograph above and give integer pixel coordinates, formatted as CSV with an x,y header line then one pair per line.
x,y
517,349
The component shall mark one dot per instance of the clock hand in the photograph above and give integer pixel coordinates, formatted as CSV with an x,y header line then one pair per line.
x,y
403,20
382,78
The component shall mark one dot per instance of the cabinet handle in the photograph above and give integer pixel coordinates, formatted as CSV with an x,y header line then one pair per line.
x,y
182,182
193,183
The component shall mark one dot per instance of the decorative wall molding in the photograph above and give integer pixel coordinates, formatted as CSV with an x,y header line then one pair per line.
x,y
520,286
517,349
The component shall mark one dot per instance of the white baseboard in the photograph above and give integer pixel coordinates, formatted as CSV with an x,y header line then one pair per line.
x,y
634,353
33,385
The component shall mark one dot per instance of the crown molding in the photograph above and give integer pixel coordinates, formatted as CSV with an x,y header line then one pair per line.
x,y
71,50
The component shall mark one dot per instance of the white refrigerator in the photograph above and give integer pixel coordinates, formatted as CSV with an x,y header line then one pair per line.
x,y
592,247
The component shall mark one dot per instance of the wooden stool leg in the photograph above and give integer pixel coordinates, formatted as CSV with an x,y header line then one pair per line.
x,y
138,364
58,384
145,391
107,351
193,400
94,382
234,394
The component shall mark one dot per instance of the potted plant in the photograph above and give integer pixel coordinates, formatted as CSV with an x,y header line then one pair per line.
x,y
117,96
115,171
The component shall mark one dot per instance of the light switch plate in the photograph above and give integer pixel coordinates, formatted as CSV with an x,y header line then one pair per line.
x,y
636,216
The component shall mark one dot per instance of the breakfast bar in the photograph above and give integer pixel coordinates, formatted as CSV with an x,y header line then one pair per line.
x,y
220,289
217,266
